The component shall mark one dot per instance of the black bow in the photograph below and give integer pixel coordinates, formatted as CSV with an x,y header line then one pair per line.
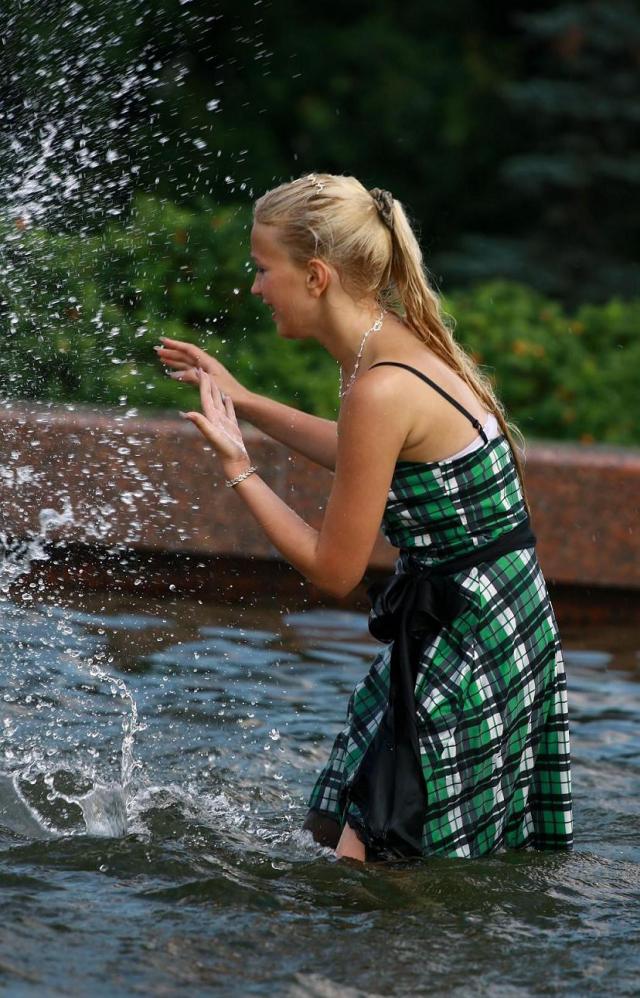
x,y
389,790
417,604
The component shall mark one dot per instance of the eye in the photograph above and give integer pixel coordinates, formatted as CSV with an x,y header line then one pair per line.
x,y
259,270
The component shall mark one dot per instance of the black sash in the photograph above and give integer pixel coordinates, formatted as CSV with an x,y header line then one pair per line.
x,y
409,608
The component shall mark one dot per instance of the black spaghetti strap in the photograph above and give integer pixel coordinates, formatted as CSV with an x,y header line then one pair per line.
x,y
472,419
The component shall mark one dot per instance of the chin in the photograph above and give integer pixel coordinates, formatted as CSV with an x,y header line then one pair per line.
x,y
284,333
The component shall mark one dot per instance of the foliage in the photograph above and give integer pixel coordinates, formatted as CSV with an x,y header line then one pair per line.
x,y
561,375
84,314
508,129
572,177
85,330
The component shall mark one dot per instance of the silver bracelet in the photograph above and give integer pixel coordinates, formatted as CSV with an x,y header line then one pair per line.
x,y
240,478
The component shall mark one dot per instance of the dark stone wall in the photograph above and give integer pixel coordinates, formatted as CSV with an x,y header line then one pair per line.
x,y
98,478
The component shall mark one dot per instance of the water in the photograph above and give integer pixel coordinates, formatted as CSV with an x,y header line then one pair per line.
x,y
156,757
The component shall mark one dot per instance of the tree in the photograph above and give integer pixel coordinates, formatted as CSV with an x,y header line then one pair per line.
x,y
574,184
506,129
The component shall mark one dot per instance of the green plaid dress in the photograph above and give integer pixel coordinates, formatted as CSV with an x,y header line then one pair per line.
x,y
490,693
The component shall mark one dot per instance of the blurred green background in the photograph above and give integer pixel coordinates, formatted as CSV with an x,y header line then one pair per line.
x,y
135,136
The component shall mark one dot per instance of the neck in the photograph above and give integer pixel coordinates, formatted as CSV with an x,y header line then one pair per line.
x,y
346,323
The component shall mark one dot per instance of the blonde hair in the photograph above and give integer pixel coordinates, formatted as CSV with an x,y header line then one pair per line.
x,y
367,237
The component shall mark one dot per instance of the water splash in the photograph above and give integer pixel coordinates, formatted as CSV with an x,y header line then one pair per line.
x,y
17,815
17,554
105,811
59,661
105,807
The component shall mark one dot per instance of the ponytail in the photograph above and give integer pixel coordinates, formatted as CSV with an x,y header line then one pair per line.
x,y
420,305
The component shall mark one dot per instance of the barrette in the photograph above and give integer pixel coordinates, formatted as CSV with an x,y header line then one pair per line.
x,y
316,183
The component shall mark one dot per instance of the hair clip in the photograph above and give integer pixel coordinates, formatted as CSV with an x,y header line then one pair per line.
x,y
383,201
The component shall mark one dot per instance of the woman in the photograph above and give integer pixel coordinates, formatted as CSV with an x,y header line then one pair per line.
x,y
456,742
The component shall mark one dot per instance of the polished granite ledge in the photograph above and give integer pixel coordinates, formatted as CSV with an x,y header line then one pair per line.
x,y
95,480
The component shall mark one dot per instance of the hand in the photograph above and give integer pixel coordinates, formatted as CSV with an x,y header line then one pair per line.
x,y
186,359
218,424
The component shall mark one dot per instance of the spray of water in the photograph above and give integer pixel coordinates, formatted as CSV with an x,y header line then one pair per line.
x,y
68,164
18,554
103,805
90,110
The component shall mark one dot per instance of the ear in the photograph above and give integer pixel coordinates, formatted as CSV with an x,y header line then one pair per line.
x,y
318,277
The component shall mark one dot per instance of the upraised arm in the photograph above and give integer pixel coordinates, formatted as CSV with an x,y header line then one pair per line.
x,y
372,432
311,436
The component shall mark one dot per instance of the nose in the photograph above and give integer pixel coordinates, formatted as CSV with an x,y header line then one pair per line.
x,y
255,290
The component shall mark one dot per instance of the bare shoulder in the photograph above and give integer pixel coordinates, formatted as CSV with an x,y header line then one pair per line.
x,y
390,385
372,410
410,385
375,394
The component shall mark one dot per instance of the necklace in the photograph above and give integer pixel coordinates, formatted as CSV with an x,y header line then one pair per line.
x,y
372,329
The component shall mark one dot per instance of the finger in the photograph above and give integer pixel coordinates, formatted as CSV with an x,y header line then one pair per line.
x,y
216,394
176,344
174,357
201,423
209,408
230,409
183,349
212,390
174,350
188,376
181,368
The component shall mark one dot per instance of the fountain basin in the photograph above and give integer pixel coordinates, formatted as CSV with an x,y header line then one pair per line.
x,y
147,488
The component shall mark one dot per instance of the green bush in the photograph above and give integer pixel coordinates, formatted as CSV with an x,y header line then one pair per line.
x,y
82,316
560,376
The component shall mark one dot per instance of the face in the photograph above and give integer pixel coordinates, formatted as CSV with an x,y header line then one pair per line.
x,y
281,283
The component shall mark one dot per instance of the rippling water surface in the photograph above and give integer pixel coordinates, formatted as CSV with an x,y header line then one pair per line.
x,y
155,758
